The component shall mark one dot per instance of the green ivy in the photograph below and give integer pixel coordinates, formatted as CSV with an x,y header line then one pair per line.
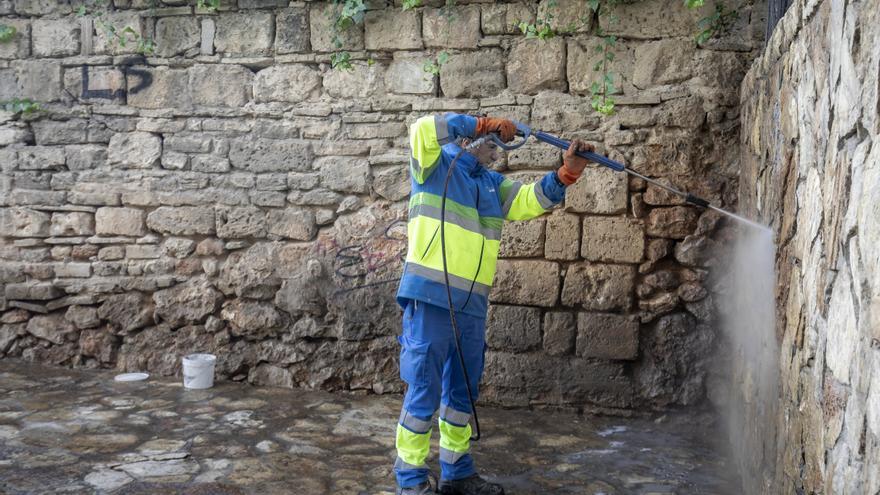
x,y
209,5
341,60
411,4
603,87
433,66
16,105
541,29
716,23
122,37
6,33
693,4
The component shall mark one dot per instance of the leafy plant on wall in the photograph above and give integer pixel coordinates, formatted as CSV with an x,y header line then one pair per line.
x,y
97,10
7,33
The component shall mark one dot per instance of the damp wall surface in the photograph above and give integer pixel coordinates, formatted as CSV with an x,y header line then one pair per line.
x,y
811,169
231,193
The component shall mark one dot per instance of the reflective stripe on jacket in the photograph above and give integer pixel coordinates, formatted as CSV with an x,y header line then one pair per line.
x,y
478,201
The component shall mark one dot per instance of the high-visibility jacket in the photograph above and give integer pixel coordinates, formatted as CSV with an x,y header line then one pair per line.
x,y
477,203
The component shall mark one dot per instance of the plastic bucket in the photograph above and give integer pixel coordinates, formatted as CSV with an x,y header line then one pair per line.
x,y
198,370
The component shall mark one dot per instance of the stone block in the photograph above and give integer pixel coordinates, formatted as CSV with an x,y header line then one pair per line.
x,y
562,240
362,81
41,158
567,16
209,164
676,222
613,239
128,311
182,220
49,327
530,282
82,317
582,57
236,88
663,62
513,328
392,29
376,131
23,222
503,18
292,31
20,44
290,83
392,183
252,319
120,221
72,270
559,333
38,80
244,33
270,155
405,75
55,37
534,65
177,36
534,158
167,88
32,291
237,223
292,223
321,19
187,303
599,190
658,197
134,150
48,132
522,239
553,111
121,20
473,74
607,336
75,223
451,27
40,7
354,176
598,287
187,143
650,19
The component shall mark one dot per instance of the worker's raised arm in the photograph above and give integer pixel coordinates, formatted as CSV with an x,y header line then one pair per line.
x,y
526,201
429,133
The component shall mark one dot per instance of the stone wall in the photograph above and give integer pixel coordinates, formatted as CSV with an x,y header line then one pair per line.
x,y
811,168
234,194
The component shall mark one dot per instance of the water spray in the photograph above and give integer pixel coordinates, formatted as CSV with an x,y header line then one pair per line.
x,y
525,131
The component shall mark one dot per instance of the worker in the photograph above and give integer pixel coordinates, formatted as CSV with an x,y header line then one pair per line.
x,y
478,201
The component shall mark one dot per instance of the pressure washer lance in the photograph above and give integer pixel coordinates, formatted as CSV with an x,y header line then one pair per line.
x,y
524,131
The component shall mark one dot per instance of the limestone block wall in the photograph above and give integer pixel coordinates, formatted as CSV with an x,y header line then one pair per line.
x,y
811,168
232,193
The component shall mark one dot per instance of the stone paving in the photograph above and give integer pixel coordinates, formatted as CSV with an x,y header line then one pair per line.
x,y
64,431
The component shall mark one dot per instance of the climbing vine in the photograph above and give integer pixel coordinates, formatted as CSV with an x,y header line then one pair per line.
x,y
24,106
6,33
97,10
715,23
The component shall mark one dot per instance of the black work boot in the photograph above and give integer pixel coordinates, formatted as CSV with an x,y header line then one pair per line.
x,y
423,489
472,485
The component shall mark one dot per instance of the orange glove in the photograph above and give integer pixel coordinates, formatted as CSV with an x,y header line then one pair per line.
x,y
505,128
573,165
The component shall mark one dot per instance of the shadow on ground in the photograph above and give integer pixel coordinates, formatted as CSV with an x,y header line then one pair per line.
x,y
64,431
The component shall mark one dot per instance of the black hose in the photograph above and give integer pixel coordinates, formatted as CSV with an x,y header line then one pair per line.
x,y
467,381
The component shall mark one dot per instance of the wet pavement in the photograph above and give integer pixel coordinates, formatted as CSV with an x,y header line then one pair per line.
x,y
70,431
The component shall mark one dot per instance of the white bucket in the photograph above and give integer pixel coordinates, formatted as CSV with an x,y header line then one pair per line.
x,y
198,370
